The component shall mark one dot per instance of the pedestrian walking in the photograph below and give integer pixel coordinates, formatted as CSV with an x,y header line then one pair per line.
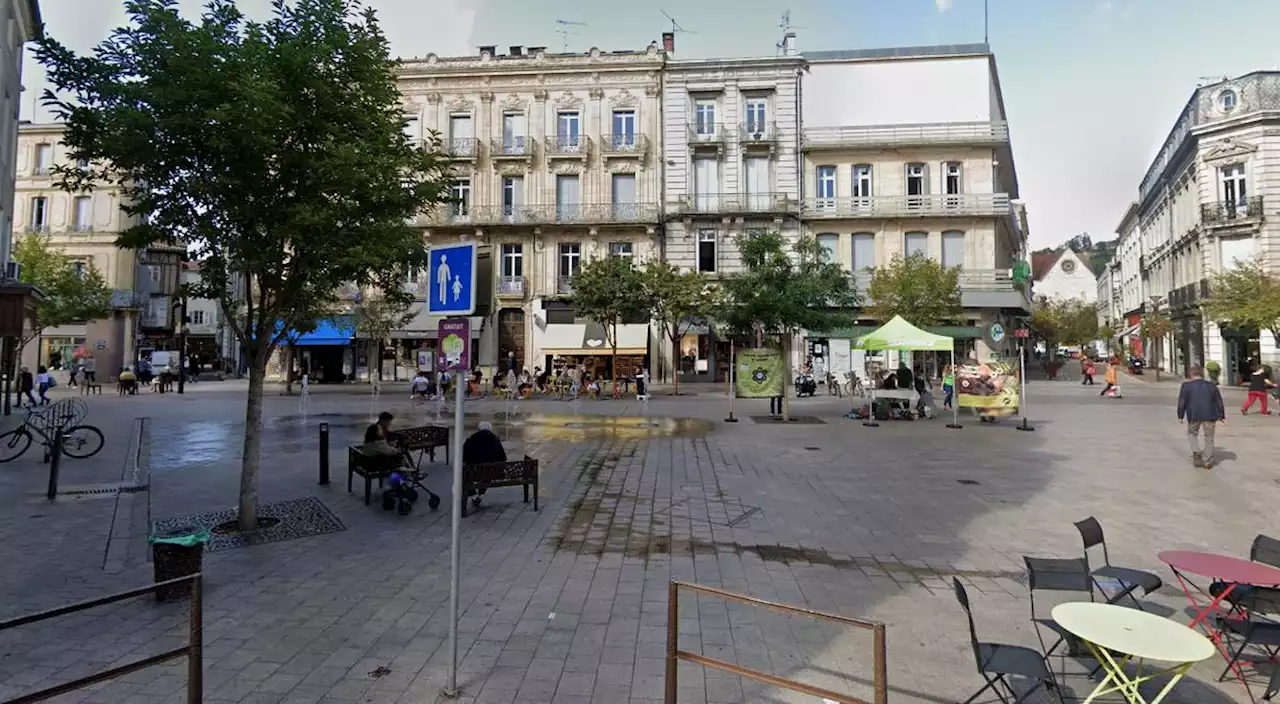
x,y
1258,385
948,386
26,384
1087,370
44,381
1111,377
1200,406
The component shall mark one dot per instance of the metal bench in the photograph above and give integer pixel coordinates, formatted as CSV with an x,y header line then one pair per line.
x,y
492,475
370,467
422,440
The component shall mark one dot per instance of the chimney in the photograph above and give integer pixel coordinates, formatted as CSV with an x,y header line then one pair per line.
x,y
535,49
669,42
516,50
789,44
490,50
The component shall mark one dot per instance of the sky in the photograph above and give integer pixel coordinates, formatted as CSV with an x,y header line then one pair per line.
x,y
1091,87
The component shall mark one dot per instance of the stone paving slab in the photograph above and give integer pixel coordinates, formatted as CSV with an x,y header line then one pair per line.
x,y
569,604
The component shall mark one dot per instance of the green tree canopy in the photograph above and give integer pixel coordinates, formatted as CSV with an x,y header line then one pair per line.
x,y
918,288
273,150
1245,296
610,291
1064,322
71,294
678,300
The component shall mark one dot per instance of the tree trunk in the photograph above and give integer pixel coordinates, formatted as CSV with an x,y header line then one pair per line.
x,y
675,369
786,377
288,370
252,457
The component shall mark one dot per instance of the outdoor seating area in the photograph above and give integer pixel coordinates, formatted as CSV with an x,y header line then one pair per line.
x,y
1128,649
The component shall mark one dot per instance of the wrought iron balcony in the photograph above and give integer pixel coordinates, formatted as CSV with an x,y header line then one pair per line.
x,y
452,214
731,203
1226,213
511,286
707,134
564,285
511,147
461,147
564,214
623,144
762,134
967,204
977,133
565,145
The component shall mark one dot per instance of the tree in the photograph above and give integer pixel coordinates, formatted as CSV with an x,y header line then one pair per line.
x,y
610,291
71,294
677,299
375,316
782,293
1245,296
918,288
1156,326
1069,322
274,151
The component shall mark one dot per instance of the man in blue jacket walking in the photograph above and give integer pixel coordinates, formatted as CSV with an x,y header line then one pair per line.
x,y
1200,405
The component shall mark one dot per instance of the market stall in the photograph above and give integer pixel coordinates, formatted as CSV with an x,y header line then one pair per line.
x,y
900,335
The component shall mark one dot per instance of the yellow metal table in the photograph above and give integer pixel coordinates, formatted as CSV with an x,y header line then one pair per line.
x,y
1117,635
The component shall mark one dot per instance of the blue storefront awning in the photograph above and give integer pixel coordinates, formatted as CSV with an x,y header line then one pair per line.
x,y
327,332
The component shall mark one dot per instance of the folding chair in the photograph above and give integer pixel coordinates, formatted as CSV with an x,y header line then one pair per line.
x,y
1265,550
997,662
1254,629
1056,575
1129,579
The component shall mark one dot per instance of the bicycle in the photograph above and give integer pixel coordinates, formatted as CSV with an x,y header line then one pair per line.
x,y
78,441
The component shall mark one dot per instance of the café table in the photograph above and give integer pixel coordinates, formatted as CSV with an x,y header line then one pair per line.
x,y
1108,630
1234,572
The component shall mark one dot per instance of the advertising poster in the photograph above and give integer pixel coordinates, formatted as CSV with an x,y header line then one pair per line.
x,y
424,360
455,344
990,387
759,373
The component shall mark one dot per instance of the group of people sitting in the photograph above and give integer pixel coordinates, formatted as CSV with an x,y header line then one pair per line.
x,y
482,446
563,382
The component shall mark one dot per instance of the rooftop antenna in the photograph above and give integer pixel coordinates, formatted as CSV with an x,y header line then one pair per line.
x,y
986,22
675,26
788,30
564,31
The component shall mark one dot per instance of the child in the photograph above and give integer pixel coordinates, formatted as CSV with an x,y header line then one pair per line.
x,y
948,386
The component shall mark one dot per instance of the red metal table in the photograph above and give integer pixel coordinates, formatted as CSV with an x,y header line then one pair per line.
x,y
1233,571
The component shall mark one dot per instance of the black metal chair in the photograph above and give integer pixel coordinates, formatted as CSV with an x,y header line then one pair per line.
x,y
1129,579
1266,550
1056,575
998,662
1248,626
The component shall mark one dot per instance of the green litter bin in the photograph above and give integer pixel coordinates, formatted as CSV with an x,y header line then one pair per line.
x,y
177,553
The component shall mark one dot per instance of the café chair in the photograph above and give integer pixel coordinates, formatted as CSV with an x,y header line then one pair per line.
x,y
1129,579
1057,575
997,662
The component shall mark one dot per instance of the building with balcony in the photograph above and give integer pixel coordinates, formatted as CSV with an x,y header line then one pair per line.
x,y
23,24
732,150
929,172
85,226
1208,200
209,337
558,160
1107,302
1133,294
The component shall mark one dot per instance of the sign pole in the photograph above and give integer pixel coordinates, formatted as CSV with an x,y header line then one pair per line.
x,y
1022,386
955,394
733,362
456,528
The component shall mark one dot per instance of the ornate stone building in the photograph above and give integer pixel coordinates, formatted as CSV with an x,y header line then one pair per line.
x,y
558,160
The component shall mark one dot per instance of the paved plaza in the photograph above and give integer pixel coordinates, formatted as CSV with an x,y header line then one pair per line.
x,y
569,604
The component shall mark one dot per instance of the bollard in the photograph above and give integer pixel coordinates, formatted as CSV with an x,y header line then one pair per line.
x,y
324,454
55,459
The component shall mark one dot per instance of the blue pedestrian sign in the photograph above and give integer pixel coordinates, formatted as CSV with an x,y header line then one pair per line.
x,y
451,288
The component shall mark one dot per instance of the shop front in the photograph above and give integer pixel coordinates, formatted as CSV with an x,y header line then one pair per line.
x,y
1242,347
704,356
836,352
325,354
58,345
396,357
566,345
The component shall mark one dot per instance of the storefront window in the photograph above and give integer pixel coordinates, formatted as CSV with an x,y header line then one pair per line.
x,y
57,352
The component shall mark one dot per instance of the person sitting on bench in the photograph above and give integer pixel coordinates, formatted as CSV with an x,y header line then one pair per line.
x,y
484,446
375,438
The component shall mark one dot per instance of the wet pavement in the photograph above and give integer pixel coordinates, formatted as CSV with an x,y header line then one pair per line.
x,y
568,604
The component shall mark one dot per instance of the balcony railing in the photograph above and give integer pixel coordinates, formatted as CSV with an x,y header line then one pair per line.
x,y
1231,212
974,204
575,145
623,144
728,203
573,213
932,133
756,133
707,133
986,280
564,285
462,147
517,147
511,286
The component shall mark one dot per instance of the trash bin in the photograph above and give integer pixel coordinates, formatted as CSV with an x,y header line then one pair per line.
x,y
177,553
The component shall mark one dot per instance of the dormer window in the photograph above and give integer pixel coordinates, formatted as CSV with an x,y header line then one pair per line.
x,y
1227,100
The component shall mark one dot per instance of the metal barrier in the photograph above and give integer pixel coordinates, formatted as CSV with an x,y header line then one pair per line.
x,y
880,680
192,650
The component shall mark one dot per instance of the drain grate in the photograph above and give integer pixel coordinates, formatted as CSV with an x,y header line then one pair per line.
x,y
94,489
968,482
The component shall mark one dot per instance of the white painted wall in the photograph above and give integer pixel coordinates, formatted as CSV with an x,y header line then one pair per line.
x,y
1057,284
899,92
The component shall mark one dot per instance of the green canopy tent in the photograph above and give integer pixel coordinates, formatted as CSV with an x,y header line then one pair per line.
x,y
902,336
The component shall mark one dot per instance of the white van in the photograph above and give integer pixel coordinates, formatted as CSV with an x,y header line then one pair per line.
x,y
164,361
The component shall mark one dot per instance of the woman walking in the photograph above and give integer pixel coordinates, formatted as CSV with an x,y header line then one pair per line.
x,y
948,385
44,380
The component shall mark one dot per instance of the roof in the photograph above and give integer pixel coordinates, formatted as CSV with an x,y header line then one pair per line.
x,y
1042,264
898,52
36,29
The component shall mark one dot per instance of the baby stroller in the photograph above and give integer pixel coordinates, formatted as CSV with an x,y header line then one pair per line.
x,y
401,495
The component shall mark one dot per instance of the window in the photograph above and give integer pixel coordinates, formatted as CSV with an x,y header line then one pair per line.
x,y
1227,100
864,251
917,185
461,135
153,273
704,118
624,129
568,127
460,192
830,243
82,164
861,181
570,259
953,249
1235,192
954,178
622,249
512,196
411,276
39,214
756,124
44,158
82,215
624,197
412,133
512,260
825,180
757,183
707,251
567,197
706,184
197,317
80,269
914,243
514,133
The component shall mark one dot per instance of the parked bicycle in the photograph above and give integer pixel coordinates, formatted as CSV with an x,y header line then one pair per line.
x,y
78,440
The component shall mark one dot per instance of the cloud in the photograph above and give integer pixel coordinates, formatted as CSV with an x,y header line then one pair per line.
x,y
942,5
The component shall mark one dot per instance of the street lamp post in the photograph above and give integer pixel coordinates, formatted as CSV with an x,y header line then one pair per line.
x,y
181,307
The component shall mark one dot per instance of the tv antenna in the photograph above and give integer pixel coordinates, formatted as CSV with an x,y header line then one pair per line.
x,y
563,28
788,31
675,26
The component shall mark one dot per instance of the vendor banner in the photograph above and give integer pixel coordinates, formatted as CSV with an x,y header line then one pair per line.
x,y
991,387
759,373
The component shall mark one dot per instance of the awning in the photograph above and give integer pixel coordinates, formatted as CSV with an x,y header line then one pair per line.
x,y
589,339
424,326
1130,331
327,332
955,332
